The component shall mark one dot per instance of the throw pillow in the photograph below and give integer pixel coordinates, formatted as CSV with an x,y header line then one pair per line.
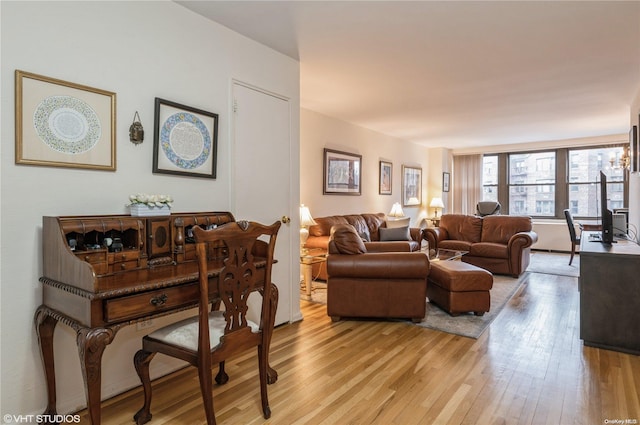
x,y
401,222
347,240
395,234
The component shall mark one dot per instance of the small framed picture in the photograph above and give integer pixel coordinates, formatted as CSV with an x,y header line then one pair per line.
x,y
634,145
386,173
63,124
446,181
341,173
185,140
411,186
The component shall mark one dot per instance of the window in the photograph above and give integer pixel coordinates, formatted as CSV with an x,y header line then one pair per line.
x,y
584,188
532,179
574,207
490,178
544,183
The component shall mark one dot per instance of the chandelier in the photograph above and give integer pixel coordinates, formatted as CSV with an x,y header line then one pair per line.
x,y
623,162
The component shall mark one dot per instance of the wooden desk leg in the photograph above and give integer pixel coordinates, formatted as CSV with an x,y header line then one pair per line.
x,y
91,344
45,326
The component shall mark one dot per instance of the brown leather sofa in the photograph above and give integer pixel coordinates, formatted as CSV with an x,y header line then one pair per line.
x,y
368,227
498,243
373,284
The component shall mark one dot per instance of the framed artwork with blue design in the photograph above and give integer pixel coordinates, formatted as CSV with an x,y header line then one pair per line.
x,y
64,124
185,140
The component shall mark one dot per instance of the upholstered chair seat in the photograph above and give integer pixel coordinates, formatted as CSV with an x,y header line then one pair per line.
x,y
184,334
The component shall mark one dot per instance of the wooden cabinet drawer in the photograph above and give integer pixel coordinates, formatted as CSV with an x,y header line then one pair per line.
x,y
122,256
97,259
93,257
124,265
147,303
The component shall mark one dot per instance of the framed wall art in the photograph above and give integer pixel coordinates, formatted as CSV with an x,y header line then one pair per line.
x,y
185,140
386,173
342,173
446,181
635,149
411,186
63,124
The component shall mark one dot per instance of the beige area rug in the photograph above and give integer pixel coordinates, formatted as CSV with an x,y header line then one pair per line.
x,y
318,292
554,263
504,288
468,325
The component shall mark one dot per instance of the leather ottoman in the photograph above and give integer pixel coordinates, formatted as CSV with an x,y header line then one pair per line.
x,y
459,287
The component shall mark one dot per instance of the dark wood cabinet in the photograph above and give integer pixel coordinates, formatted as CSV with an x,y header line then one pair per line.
x,y
610,295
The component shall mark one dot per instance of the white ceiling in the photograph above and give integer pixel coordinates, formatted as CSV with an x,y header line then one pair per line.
x,y
455,74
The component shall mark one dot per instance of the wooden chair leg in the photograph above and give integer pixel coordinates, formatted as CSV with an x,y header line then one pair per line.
x,y
262,369
222,377
141,362
206,388
573,251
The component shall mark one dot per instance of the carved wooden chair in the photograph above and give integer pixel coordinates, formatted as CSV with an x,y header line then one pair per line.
x,y
575,240
213,336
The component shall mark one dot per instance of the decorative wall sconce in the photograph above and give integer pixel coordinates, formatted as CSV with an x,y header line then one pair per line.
x,y
136,132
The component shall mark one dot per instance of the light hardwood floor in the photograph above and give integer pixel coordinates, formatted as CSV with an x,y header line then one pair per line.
x,y
529,367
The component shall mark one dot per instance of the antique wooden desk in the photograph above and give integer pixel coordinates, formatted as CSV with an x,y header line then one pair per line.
x,y
101,273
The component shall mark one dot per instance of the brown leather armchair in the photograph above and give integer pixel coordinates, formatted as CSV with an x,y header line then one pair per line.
x,y
498,243
373,284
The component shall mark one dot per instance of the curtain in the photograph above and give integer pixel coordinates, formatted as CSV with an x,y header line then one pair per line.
x,y
467,183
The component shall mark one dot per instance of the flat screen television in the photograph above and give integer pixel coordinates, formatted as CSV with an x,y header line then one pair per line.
x,y
606,213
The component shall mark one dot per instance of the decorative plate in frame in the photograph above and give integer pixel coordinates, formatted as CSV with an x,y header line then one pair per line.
x,y
185,140
63,124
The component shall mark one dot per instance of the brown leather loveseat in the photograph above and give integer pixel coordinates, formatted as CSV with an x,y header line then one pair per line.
x,y
498,243
368,226
373,284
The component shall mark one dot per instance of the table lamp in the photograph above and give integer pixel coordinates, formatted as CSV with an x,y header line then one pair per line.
x,y
396,211
306,220
435,204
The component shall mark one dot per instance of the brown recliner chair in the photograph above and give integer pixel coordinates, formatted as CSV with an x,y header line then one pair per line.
x,y
373,284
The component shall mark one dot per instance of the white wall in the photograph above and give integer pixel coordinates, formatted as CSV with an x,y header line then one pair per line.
x,y
553,235
318,131
440,161
140,50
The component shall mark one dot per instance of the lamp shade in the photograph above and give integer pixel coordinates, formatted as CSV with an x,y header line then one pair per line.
x,y
305,217
396,210
436,203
